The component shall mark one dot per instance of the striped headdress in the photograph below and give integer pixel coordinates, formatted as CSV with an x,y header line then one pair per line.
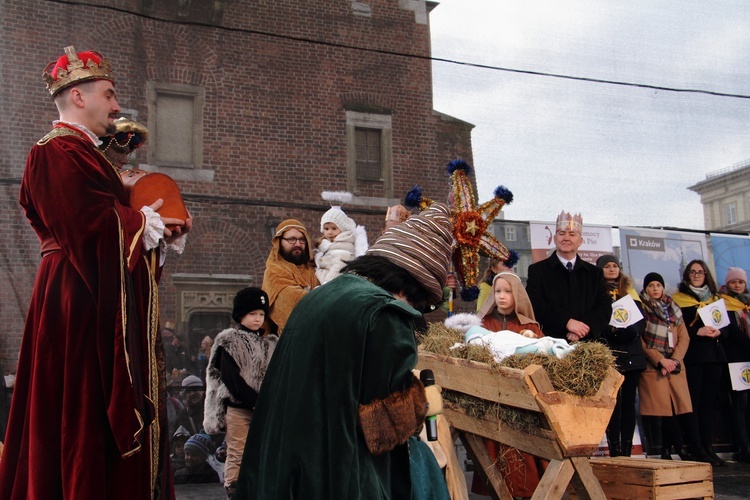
x,y
422,245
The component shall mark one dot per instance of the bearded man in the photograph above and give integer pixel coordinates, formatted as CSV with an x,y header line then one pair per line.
x,y
290,272
339,405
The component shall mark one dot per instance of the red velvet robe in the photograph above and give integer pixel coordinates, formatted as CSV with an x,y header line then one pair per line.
x,y
82,423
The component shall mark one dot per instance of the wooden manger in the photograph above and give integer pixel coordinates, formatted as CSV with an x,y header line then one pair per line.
x,y
572,426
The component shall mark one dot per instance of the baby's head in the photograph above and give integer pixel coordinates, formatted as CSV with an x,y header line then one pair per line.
x,y
334,222
330,231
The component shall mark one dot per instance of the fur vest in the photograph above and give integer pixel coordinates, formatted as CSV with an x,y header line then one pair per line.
x,y
252,353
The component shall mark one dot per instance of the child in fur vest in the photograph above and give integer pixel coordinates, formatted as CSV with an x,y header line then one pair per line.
x,y
343,240
238,363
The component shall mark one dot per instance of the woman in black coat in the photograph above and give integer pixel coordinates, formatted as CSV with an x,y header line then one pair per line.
x,y
705,359
625,344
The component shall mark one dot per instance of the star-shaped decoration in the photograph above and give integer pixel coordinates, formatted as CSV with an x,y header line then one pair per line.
x,y
471,225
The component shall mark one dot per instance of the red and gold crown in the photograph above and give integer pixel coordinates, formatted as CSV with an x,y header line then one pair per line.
x,y
566,222
74,68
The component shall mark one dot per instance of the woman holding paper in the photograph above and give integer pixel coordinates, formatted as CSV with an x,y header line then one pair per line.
x,y
737,297
705,358
663,387
625,343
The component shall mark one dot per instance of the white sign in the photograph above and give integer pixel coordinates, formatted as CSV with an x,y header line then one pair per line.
x,y
625,313
740,375
715,314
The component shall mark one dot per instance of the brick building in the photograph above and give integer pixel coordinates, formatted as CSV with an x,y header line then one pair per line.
x,y
255,108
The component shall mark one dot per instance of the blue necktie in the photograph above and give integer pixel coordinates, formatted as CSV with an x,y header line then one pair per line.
x,y
569,267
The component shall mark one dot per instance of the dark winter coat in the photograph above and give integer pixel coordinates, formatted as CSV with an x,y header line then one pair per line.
x,y
626,346
559,295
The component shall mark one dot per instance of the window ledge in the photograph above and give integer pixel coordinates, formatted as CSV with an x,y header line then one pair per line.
x,y
181,174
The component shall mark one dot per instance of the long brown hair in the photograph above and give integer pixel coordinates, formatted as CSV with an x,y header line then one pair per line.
x,y
489,274
624,283
708,278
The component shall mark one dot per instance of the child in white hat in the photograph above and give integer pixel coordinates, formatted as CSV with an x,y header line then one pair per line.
x,y
343,240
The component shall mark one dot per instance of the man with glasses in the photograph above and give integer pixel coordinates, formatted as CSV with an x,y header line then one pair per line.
x,y
290,272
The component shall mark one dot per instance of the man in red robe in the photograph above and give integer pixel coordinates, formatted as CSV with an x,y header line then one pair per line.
x,y
87,418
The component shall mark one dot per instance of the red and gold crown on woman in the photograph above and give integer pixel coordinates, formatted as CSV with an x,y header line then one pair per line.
x,y
567,222
75,67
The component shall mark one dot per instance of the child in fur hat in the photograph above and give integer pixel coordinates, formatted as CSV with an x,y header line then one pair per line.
x,y
238,362
343,240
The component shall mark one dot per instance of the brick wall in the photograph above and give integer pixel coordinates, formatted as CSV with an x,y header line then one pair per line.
x,y
274,119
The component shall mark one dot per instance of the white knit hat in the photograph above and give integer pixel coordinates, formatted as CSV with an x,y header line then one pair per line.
x,y
335,214
338,217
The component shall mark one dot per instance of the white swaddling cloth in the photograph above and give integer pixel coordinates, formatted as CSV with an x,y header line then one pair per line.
x,y
506,343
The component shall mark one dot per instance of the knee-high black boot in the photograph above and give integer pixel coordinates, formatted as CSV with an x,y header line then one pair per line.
x,y
652,428
689,424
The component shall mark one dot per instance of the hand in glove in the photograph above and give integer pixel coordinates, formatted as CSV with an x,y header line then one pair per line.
x,y
434,400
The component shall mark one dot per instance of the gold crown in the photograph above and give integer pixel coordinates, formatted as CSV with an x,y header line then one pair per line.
x,y
566,221
70,69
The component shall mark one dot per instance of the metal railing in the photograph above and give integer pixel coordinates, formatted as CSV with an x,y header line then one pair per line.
x,y
731,168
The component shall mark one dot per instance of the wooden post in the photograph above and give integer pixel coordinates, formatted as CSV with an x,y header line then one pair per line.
x,y
485,466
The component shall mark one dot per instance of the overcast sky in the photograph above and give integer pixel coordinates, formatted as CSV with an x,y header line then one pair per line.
x,y
619,155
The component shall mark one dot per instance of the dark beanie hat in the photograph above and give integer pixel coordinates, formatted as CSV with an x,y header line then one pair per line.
x,y
606,259
248,299
201,444
652,277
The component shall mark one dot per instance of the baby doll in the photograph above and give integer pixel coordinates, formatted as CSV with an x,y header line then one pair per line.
x,y
343,240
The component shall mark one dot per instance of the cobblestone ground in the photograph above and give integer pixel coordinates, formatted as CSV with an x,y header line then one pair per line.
x,y
730,483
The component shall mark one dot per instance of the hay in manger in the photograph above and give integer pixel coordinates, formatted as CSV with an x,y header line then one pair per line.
x,y
553,408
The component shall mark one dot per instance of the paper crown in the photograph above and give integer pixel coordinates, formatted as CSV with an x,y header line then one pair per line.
x,y
567,222
74,68
397,213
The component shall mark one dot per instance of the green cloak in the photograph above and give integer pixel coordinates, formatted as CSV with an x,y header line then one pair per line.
x,y
347,343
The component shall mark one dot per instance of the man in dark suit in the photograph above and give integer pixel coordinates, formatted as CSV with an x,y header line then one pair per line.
x,y
569,295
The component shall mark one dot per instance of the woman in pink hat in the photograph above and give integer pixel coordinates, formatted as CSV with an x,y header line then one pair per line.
x,y
737,298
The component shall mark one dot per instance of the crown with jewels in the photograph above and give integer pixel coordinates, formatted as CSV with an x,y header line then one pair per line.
x,y
75,67
566,221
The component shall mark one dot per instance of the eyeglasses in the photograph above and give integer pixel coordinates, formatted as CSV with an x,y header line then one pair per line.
x,y
696,273
294,241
